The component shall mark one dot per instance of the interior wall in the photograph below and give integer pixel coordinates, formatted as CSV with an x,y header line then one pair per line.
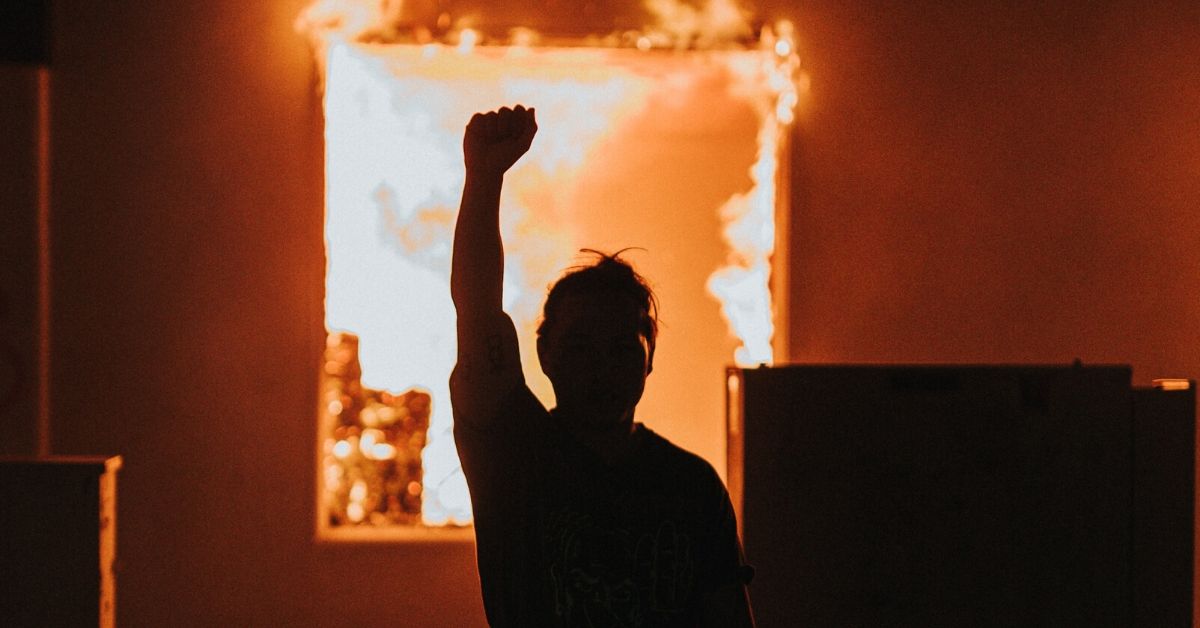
x,y
18,259
990,182
973,182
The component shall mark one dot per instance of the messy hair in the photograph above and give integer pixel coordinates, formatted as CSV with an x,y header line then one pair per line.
x,y
607,274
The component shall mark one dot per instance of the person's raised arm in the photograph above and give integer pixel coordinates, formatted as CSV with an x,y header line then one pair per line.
x,y
488,358
493,142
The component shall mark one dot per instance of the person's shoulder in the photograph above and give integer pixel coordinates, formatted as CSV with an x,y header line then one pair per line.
x,y
676,459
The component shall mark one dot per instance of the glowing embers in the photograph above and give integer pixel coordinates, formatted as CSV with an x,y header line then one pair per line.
x,y
371,465
669,151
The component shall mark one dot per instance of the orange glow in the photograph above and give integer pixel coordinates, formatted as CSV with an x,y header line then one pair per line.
x,y
394,120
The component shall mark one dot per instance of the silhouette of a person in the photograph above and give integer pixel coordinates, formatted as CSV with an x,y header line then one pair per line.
x,y
583,517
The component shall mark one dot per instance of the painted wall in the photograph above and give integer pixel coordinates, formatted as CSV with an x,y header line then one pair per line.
x,y
989,182
983,182
18,259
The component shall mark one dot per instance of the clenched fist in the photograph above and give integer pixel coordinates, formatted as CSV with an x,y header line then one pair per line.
x,y
494,141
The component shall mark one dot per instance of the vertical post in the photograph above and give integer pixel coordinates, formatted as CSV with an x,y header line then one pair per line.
x,y
43,261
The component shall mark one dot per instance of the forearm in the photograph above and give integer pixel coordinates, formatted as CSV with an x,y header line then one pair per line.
x,y
492,143
477,267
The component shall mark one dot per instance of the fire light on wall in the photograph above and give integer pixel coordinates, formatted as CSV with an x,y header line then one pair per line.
x,y
645,141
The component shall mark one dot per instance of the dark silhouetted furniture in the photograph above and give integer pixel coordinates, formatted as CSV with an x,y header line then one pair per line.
x,y
963,495
58,541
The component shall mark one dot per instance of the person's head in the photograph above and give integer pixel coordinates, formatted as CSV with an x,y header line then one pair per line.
x,y
597,337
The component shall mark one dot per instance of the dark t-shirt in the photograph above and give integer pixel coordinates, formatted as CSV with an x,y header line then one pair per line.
x,y
565,539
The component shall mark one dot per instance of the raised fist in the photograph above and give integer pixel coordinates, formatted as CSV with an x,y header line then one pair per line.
x,y
494,141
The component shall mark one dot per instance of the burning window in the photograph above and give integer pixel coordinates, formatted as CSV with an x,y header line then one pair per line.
x,y
643,143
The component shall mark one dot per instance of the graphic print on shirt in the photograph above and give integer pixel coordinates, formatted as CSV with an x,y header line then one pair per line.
x,y
616,576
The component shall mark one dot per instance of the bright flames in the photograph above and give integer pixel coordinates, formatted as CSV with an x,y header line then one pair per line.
x,y
671,151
